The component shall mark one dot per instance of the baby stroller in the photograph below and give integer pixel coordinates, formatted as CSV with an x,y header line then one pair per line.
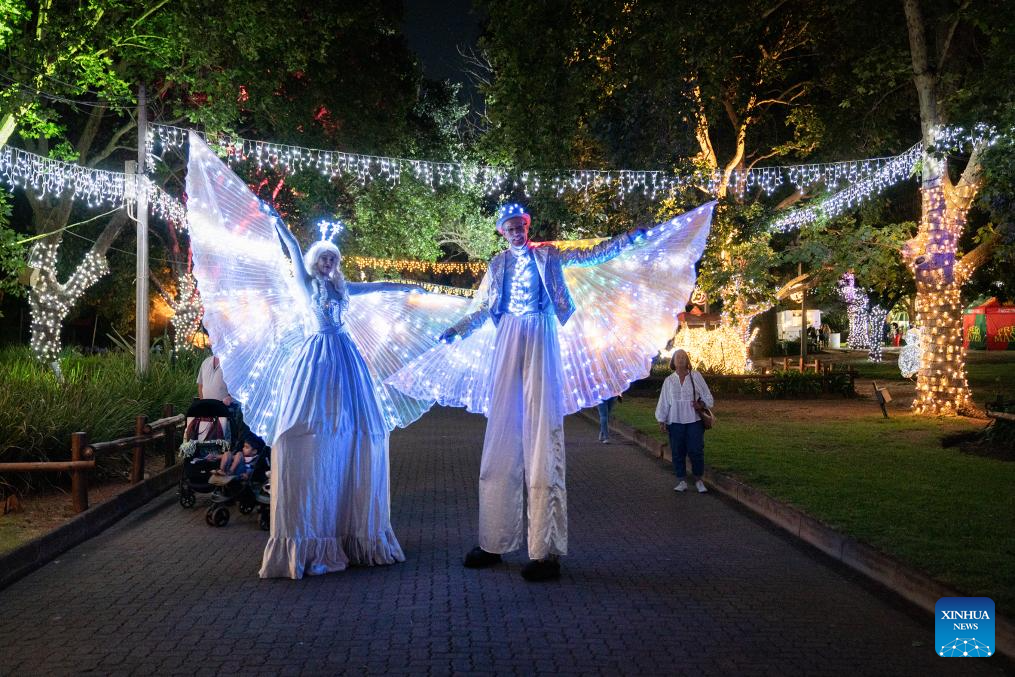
x,y
205,439
245,489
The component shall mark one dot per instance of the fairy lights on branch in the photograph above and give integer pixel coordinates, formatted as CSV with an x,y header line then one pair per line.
x,y
898,169
187,312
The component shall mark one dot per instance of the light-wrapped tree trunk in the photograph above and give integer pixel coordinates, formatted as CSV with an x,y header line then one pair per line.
x,y
941,382
933,253
50,300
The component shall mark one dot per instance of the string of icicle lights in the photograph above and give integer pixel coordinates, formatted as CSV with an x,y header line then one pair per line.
x,y
95,187
898,169
494,180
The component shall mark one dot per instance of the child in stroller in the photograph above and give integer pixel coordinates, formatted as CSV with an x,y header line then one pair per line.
x,y
246,486
205,439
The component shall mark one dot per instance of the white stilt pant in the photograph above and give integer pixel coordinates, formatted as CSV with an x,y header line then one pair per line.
x,y
523,451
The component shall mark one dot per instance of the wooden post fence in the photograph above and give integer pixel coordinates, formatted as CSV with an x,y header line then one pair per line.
x,y
83,454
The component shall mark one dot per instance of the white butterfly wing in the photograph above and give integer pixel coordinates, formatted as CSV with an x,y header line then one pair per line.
x,y
252,312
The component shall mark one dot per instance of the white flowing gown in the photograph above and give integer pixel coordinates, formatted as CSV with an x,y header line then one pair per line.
x,y
330,499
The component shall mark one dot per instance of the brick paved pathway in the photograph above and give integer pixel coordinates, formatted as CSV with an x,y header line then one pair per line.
x,y
656,583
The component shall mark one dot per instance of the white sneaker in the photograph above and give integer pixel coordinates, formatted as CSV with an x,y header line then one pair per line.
x,y
681,486
700,486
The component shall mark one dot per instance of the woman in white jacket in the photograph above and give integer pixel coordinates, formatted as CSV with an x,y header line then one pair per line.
x,y
683,396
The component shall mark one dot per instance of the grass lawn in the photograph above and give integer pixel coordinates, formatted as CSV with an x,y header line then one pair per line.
x,y
886,482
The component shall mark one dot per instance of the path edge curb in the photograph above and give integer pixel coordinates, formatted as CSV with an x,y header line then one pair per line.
x,y
41,550
911,584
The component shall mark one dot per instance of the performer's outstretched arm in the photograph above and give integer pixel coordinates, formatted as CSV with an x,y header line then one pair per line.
x,y
369,287
602,252
295,254
477,316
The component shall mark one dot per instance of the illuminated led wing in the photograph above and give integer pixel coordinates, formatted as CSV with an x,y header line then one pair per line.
x,y
454,374
627,309
627,312
391,329
251,310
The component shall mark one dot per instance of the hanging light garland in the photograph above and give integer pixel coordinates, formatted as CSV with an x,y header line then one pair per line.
x,y
493,180
95,187
887,175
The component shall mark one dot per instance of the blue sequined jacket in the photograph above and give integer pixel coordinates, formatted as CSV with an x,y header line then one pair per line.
x,y
551,262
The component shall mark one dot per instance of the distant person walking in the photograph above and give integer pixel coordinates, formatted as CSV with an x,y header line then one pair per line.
x,y
684,395
605,407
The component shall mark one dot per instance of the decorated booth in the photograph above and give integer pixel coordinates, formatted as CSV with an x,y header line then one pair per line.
x,y
989,325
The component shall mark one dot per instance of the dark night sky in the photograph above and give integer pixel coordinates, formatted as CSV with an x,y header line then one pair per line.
x,y
435,29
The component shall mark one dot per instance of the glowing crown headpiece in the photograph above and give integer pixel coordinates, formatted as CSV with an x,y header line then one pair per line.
x,y
510,210
330,229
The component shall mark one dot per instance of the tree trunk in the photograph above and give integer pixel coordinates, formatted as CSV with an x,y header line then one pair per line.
x,y
941,385
876,316
48,311
8,123
50,300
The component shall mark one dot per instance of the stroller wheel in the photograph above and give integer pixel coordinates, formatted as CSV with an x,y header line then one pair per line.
x,y
187,498
217,516
246,508
265,521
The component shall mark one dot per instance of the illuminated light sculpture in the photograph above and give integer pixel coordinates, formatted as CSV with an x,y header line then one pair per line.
x,y
866,319
911,354
716,351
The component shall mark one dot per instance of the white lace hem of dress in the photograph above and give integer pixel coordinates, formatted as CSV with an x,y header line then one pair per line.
x,y
298,557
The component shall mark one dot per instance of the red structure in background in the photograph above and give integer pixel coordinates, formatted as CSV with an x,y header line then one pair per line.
x,y
697,318
989,325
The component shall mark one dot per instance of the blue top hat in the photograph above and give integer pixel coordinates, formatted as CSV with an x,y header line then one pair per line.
x,y
510,210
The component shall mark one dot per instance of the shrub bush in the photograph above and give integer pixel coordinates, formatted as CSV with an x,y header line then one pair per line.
x,y
100,395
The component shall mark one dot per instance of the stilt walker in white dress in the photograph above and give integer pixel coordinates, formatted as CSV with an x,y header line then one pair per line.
x,y
506,359
308,353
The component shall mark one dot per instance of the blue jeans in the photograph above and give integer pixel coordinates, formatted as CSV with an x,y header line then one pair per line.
x,y
604,416
687,439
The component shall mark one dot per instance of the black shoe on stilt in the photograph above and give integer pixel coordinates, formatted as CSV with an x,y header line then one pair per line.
x,y
541,570
477,558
